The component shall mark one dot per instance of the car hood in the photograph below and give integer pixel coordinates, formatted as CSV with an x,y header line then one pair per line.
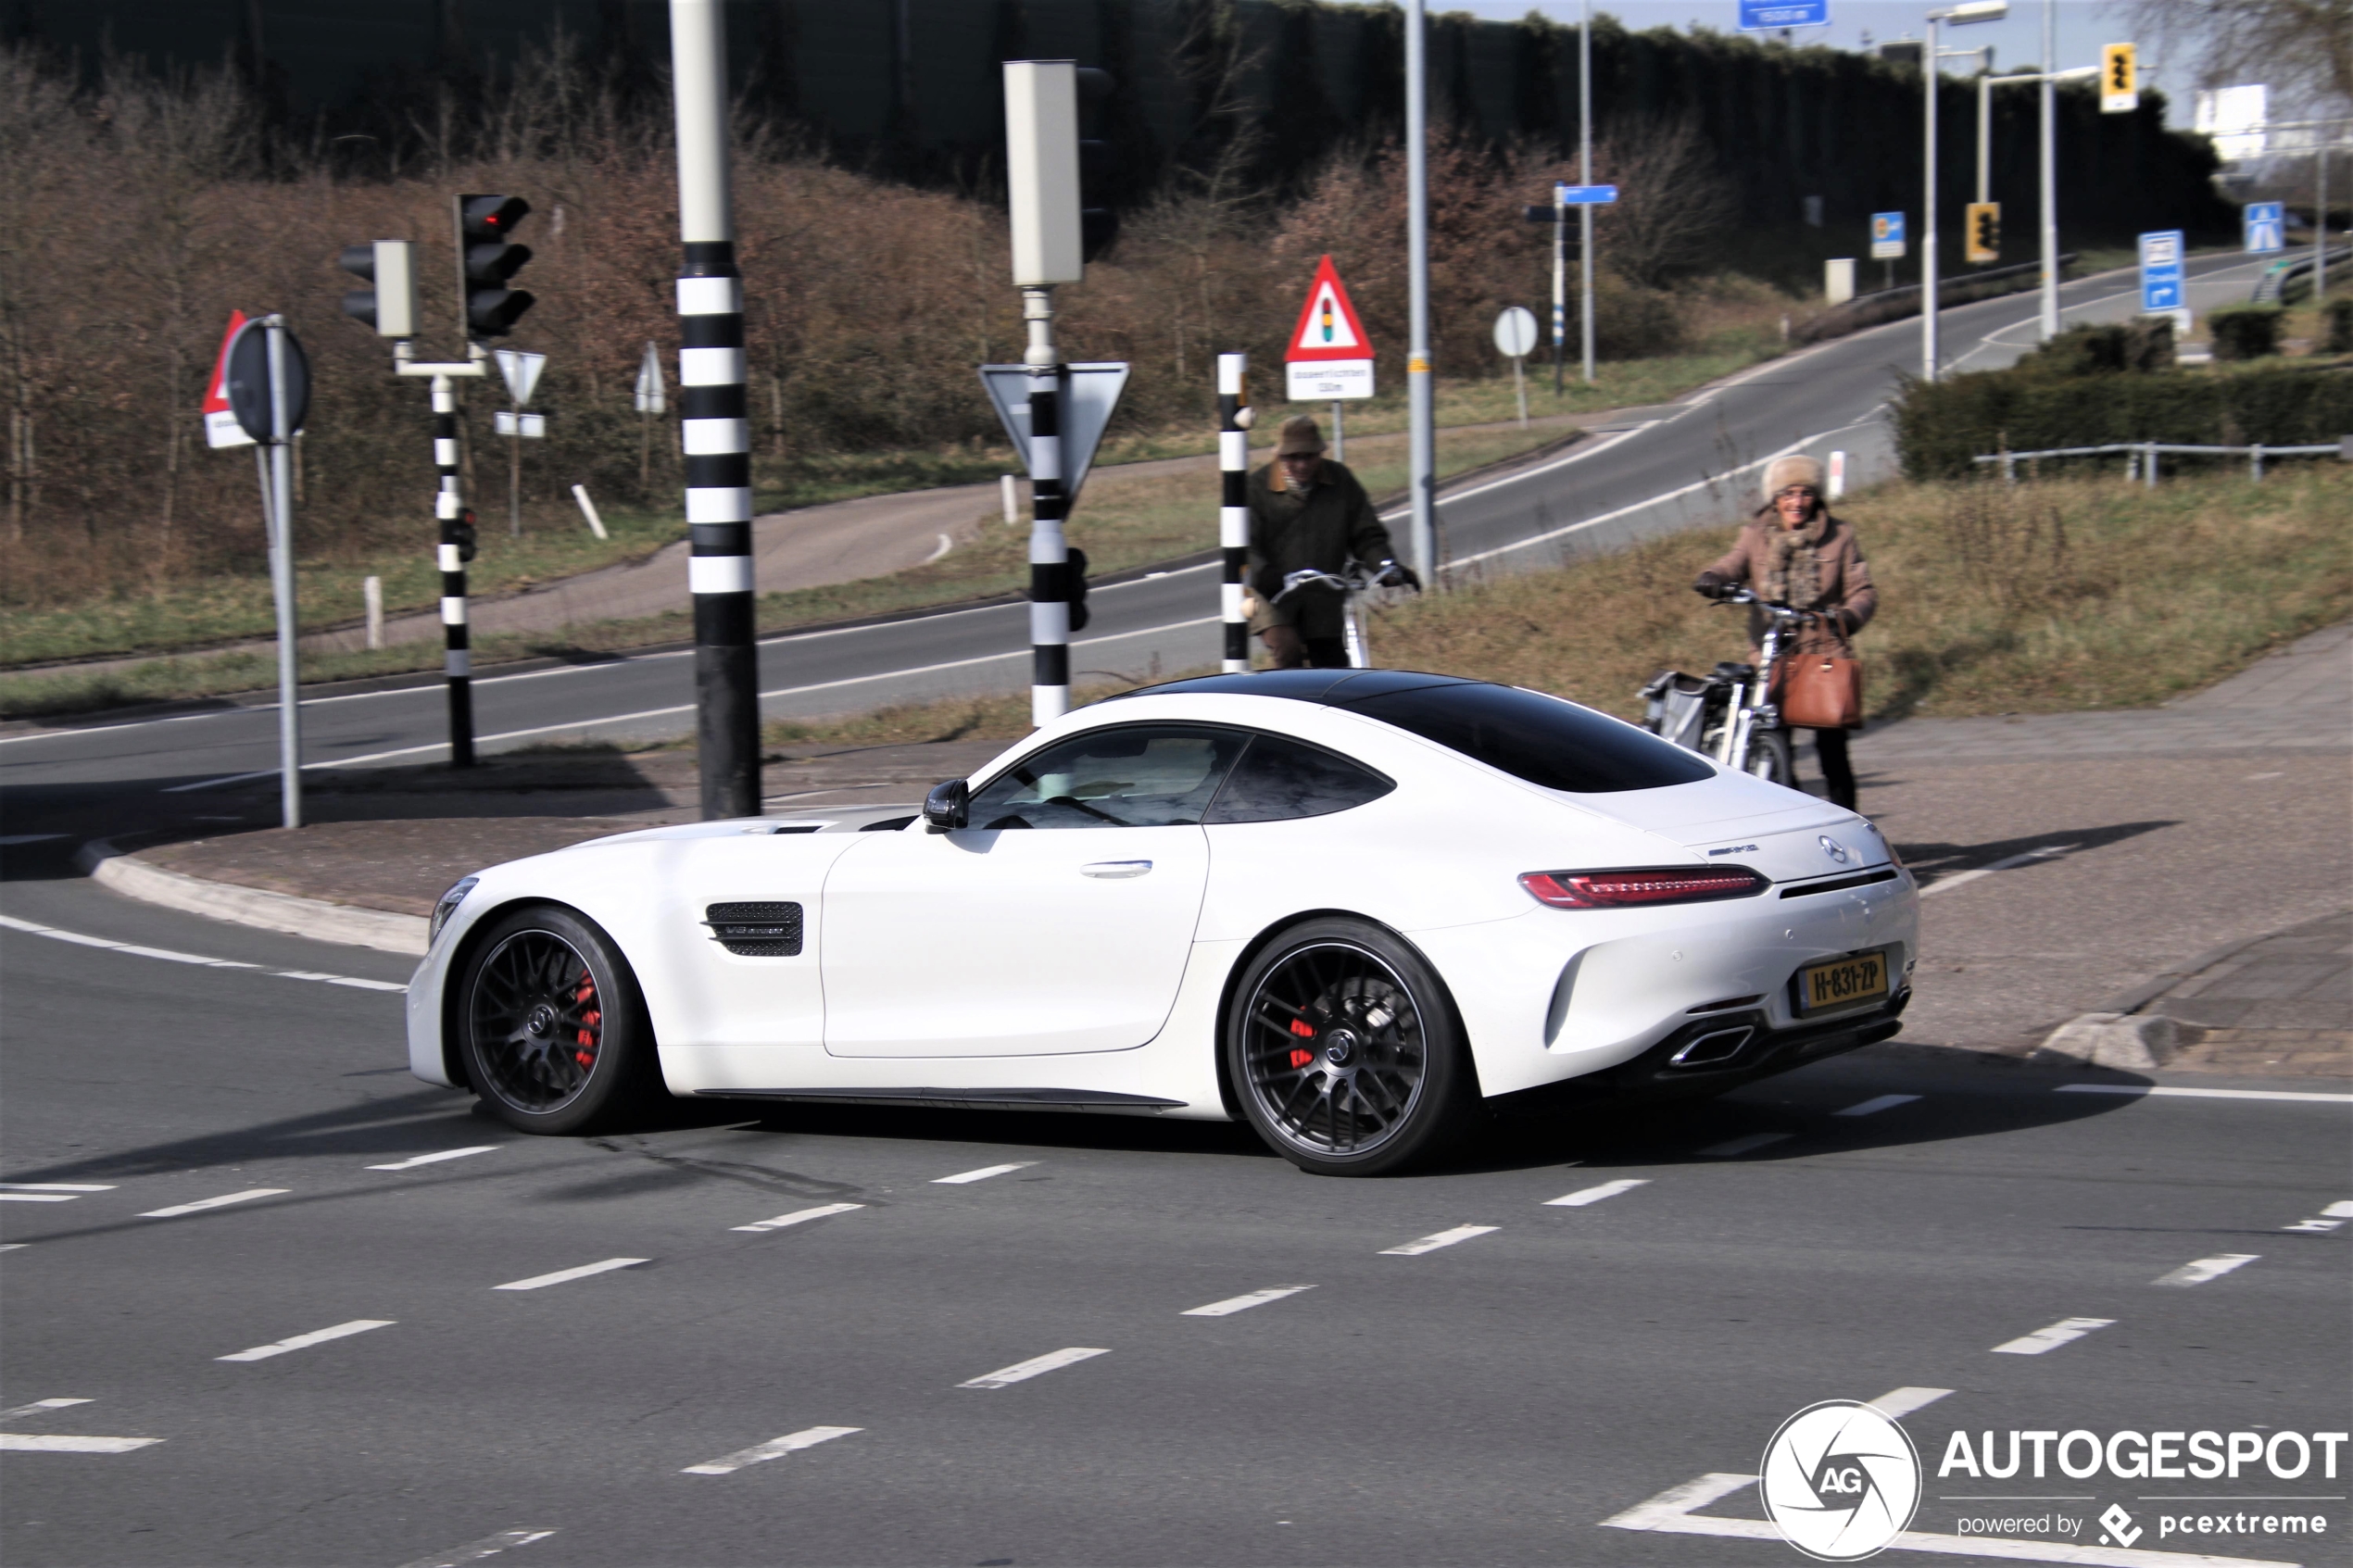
x,y
1735,820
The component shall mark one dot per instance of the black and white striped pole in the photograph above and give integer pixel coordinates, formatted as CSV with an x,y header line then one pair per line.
x,y
715,427
1049,546
449,511
1233,509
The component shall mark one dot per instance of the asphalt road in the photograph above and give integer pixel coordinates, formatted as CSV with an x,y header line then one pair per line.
x,y
1685,465
804,1393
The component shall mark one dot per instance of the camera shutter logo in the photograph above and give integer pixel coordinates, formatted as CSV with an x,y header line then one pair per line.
x,y
1840,1481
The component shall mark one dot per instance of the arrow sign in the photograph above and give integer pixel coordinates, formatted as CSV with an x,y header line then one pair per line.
x,y
220,426
649,382
521,370
1090,392
1330,355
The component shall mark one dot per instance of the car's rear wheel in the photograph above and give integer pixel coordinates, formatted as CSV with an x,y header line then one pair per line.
x,y
1344,1051
552,1025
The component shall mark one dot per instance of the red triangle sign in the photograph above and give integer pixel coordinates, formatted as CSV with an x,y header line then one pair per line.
x,y
220,427
1328,327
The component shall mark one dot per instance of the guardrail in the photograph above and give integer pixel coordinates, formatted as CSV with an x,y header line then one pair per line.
x,y
1893,305
2272,287
2140,456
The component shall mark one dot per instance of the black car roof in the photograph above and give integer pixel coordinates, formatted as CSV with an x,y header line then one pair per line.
x,y
1331,688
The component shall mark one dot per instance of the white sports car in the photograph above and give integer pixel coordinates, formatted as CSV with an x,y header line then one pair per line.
x,y
1343,904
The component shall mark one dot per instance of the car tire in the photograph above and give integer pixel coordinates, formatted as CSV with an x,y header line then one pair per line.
x,y
1344,1051
552,1026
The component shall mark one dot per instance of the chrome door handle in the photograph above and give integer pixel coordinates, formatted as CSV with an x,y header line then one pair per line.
x,y
1115,869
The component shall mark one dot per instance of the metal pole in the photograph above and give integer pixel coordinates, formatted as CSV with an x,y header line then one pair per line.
x,y
715,424
1560,288
1340,433
1929,355
1233,507
1420,414
1985,135
1585,175
2049,89
1520,386
282,574
514,466
1049,547
456,636
2321,224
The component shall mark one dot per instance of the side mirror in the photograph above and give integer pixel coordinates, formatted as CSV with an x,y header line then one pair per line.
x,y
948,806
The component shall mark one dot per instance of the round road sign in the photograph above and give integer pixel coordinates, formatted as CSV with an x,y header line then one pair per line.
x,y
1515,332
248,380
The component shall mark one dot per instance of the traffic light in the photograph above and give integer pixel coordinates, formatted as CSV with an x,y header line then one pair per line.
x,y
391,305
1984,232
2119,91
487,261
463,532
1098,166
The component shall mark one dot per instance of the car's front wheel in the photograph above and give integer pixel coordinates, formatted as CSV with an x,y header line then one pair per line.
x,y
552,1026
1344,1051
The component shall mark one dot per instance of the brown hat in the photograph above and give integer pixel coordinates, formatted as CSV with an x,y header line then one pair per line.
x,y
1300,434
1783,472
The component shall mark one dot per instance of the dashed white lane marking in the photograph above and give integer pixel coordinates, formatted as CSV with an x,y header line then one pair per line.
x,y
2315,1227
434,1159
1735,1147
1898,1403
2204,1268
2339,1211
2066,1331
15,1247
540,1282
983,1173
42,1443
304,1341
1432,1243
2049,851
1594,1195
2137,1090
475,1552
38,1406
801,1217
226,1199
1021,1372
45,1192
776,1447
1874,1105
133,949
1233,1304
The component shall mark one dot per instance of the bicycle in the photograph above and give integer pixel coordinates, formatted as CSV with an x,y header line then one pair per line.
x,y
1728,713
1352,585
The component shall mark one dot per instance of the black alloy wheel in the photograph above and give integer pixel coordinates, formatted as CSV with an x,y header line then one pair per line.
x,y
1345,1051
554,1031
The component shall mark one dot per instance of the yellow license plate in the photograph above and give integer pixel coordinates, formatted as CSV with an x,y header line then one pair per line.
x,y
1842,982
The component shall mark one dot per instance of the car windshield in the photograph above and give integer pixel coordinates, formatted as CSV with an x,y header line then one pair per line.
x,y
1542,739
1133,776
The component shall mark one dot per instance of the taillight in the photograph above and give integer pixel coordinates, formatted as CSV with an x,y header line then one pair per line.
x,y
1608,890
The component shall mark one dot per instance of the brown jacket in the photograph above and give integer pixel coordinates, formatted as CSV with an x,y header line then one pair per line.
x,y
1323,529
1843,580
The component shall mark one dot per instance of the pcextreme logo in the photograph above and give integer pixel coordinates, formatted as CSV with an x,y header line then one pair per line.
x,y
1840,1481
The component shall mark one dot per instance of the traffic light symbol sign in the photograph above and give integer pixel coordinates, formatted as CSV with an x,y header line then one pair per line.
x,y
1984,230
2120,92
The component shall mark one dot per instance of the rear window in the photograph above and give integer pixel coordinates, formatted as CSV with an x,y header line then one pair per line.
x,y
1542,739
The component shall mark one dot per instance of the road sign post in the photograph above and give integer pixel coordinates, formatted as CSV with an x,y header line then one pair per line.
x,y
1233,507
266,379
2162,272
1514,335
1330,356
2266,228
521,372
1887,242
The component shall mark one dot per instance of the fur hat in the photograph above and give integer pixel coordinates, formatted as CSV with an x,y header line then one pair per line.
x,y
1299,435
1783,472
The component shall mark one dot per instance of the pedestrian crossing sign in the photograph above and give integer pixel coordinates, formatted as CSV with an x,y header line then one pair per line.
x,y
2266,228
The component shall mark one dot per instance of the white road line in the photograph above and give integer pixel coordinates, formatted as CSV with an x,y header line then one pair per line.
x,y
540,1282
2170,1090
1021,1372
982,1174
1898,1403
132,949
10,840
2340,1210
1443,1239
15,1247
801,1217
2049,851
30,1443
1874,1105
2065,1331
475,1552
2204,1268
776,1447
1733,1147
51,1187
304,1341
215,783
1676,1512
226,1199
1594,1195
2315,1227
38,1406
36,1198
1233,1304
414,1161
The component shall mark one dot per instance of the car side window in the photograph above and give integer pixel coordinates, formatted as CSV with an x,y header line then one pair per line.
x,y
1135,775
1280,779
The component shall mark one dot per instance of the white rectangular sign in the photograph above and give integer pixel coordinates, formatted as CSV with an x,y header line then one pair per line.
x,y
532,427
1327,380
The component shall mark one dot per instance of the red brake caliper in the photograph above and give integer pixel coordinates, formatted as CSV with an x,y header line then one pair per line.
x,y
1305,1030
586,997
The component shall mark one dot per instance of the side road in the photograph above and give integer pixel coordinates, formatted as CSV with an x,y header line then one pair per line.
x,y
2132,889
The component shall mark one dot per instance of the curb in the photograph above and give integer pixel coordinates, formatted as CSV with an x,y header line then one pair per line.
x,y
314,917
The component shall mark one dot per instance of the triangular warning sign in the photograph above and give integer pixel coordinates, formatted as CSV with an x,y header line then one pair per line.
x,y
1328,327
220,427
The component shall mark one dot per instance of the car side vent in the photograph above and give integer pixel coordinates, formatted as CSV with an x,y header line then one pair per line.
x,y
756,931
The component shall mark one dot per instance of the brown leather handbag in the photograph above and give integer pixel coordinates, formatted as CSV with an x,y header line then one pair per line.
x,y
1819,692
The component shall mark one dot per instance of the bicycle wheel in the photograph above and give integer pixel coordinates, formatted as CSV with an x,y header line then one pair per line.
x,y
1768,757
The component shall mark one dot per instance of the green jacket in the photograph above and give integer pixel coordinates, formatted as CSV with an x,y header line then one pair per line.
x,y
1334,523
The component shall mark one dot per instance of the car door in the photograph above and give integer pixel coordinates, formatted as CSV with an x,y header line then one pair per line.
x,y
1060,922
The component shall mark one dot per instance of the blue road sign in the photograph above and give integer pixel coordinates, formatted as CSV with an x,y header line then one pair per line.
x,y
2266,228
1767,16
1887,235
1584,195
2161,271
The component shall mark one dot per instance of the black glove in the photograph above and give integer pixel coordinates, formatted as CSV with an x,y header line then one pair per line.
x,y
1395,576
1845,622
1712,585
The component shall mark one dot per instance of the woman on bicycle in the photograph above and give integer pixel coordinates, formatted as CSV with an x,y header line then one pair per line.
x,y
1794,552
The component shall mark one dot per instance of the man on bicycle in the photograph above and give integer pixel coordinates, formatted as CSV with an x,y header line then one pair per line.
x,y
1307,512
